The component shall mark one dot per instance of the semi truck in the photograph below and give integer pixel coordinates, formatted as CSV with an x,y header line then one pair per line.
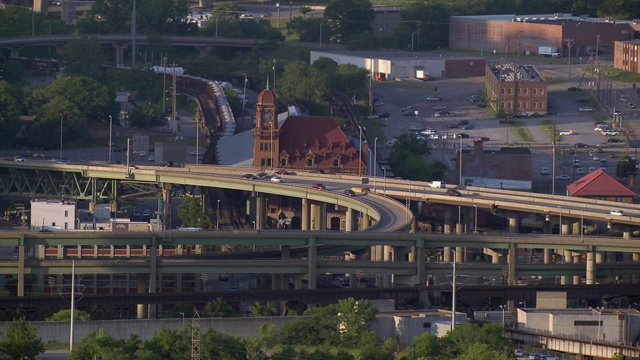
x,y
551,51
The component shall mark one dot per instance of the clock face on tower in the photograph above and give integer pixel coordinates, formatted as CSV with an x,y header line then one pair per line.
x,y
267,117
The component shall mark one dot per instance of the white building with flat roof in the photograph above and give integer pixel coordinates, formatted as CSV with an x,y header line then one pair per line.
x,y
47,214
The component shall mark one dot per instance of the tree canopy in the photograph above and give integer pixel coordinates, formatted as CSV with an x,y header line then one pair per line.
x,y
20,341
407,159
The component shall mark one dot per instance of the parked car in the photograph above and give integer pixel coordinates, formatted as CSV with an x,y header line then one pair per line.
x,y
617,212
467,127
249,176
506,121
463,122
462,136
586,109
439,107
611,133
581,146
378,103
459,113
482,105
544,171
565,132
573,88
433,98
614,140
580,171
384,115
483,139
441,113
19,158
409,108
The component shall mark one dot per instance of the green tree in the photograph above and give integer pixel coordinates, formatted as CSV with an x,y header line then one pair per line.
x,y
218,308
10,103
347,18
258,309
153,17
146,117
626,167
191,213
219,346
20,341
168,344
65,315
307,29
84,57
355,318
99,345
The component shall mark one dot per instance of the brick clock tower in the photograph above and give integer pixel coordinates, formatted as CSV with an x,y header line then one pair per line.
x,y
266,135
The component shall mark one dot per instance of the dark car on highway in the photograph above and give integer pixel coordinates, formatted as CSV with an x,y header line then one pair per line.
x,y
453,192
318,186
581,146
349,192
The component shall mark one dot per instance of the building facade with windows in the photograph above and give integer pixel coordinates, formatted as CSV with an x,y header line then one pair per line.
x,y
516,89
303,143
49,214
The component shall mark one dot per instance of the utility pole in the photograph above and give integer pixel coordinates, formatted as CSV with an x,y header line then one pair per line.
x,y
195,336
569,46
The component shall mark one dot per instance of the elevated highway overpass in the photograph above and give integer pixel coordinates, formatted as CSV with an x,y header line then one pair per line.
x,y
400,256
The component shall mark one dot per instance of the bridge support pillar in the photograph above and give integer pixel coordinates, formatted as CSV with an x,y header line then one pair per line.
x,y
365,221
636,259
166,210
120,52
513,224
577,257
421,276
546,256
448,220
446,254
460,254
349,220
312,265
305,214
316,217
388,256
566,280
512,258
495,256
626,234
261,211
590,276
143,285
60,252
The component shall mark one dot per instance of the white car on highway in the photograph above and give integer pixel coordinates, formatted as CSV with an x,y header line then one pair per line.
x,y
586,109
277,179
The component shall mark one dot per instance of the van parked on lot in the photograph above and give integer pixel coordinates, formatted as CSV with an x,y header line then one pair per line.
x,y
438,184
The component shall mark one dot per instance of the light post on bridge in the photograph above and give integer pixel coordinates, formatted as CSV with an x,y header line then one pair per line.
x,y
375,162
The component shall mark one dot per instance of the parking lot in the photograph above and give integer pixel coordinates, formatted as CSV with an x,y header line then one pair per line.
x,y
577,126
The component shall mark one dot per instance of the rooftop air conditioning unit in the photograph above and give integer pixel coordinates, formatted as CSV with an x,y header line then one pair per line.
x,y
557,15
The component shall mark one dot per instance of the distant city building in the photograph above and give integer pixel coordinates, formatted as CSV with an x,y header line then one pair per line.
x,y
497,167
626,54
516,89
52,215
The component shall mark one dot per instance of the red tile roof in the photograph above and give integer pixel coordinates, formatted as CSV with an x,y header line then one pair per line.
x,y
599,183
322,137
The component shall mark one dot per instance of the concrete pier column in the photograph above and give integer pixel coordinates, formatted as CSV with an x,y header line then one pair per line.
x,y
446,254
120,52
448,220
166,210
305,209
546,256
577,257
459,220
512,258
323,216
21,258
388,256
636,259
261,211
460,255
143,285
312,264
599,257
365,222
513,224
421,274
349,220
590,276
314,213
567,259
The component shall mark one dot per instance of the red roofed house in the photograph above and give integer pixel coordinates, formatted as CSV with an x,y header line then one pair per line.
x,y
302,143
601,186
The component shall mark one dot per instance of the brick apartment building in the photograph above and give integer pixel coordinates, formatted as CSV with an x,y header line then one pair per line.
x,y
516,88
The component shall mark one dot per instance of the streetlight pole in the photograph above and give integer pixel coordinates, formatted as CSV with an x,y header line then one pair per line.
x,y
475,219
110,139
503,307
197,140
460,163
453,293
33,21
254,225
61,128
582,225
278,21
182,313
600,308
244,101
322,23
218,215
73,303
360,153
375,162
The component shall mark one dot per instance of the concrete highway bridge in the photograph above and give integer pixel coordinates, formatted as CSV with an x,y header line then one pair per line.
x,y
376,222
